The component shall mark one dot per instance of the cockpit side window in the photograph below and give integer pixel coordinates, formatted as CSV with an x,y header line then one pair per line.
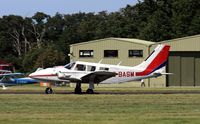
x,y
91,68
80,67
70,65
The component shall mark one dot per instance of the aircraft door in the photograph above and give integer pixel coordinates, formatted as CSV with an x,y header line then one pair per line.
x,y
79,70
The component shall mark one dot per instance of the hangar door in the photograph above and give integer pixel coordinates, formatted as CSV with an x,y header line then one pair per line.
x,y
186,69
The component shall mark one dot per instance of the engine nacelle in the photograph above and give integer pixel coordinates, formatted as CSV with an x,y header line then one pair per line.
x,y
63,76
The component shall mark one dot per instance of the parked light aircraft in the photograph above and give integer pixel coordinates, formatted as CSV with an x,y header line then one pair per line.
x,y
5,72
13,79
96,73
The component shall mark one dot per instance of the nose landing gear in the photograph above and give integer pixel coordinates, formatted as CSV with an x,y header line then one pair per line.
x,y
48,90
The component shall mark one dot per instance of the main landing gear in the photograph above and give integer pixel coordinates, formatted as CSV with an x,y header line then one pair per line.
x,y
78,89
48,90
89,91
91,87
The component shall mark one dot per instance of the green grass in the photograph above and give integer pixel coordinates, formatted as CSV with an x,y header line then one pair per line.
x,y
101,88
100,108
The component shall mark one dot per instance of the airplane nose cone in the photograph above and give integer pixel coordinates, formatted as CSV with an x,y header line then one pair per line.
x,y
31,75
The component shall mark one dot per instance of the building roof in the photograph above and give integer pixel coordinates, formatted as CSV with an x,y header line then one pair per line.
x,y
179,39
132,40
2,62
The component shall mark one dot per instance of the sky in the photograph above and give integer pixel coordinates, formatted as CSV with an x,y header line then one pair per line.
x,y
50,7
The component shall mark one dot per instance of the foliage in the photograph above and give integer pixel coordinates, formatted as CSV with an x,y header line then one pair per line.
x,y
42,58
152,20
30,59
49,57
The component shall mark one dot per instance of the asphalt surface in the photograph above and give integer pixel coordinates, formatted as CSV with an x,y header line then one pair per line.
x,y
105,92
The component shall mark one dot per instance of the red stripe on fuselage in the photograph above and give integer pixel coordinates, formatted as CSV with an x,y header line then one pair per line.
x,y
158,60
44,75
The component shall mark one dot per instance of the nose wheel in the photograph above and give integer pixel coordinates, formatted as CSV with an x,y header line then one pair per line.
x,y
48,90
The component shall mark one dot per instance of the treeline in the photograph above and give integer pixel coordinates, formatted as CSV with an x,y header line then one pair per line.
x,y
43,40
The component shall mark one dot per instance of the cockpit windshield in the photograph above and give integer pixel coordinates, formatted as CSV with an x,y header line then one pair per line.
x,y
70,65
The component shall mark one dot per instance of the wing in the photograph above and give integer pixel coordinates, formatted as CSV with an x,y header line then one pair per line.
x,y
11,74
99,76
6,79
5,71
52,81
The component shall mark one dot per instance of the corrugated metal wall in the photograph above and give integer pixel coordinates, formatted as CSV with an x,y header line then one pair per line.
x,y
191,43
110,44
186,69
184,62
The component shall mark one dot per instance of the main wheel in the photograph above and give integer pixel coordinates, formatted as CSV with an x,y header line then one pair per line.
x,y
48,90
78,90
90,91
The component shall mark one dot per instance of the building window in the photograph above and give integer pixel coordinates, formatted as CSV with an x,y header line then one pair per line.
x,y
135,53
110,53
86,53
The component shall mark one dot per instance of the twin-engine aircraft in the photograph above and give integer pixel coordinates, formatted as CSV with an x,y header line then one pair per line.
x,y
96,73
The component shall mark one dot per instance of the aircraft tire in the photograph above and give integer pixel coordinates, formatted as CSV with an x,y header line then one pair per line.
x,y
90,91
48,90
78,90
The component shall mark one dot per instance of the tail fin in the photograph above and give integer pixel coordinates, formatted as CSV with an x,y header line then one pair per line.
x,y
156,60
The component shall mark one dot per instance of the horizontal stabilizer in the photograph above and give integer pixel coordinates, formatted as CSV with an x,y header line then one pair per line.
x,y
167,73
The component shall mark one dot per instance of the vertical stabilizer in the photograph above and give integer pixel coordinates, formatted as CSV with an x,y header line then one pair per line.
x,y
156,60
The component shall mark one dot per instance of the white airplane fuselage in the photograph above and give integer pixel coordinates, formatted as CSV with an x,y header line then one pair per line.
x,y
123,73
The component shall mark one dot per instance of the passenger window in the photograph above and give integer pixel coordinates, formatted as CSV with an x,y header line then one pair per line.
x,y
80,67
91,68
104,68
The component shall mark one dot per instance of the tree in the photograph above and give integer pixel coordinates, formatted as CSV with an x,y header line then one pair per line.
x,y
101,25
49,57
55,26
194,28
185,12
26,35
115,24
30,58
6,47
15,24
39,27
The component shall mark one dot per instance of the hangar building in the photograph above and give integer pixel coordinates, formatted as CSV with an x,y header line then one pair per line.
x,y
184,59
